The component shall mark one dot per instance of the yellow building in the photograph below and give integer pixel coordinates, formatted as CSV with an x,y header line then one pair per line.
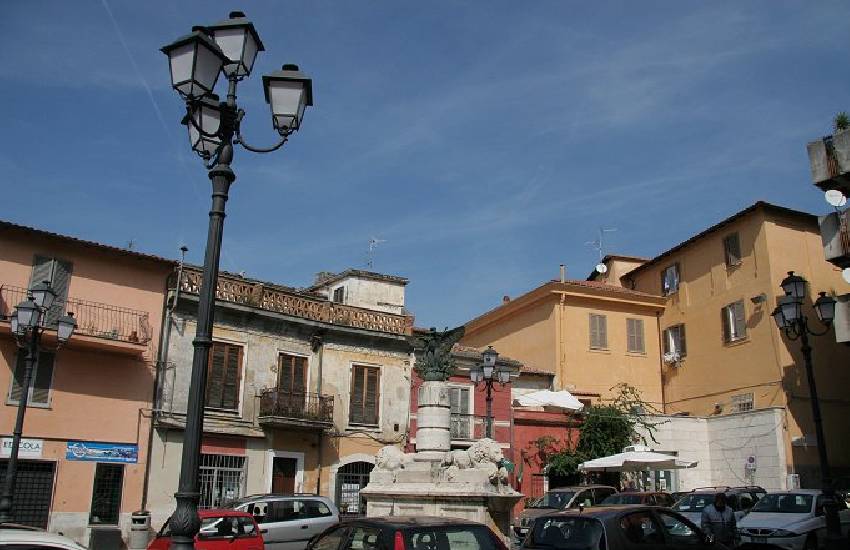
x,y
589,334
722,351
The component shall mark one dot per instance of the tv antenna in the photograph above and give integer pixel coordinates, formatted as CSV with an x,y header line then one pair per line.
x,y
370,257
599,245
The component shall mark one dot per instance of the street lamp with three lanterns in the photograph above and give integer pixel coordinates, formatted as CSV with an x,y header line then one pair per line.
x,y
196,60
488,373
28,322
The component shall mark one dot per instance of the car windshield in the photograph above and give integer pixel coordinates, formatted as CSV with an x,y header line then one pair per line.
x,y
464,537
555,499
573,533
622,499
788,503
694,502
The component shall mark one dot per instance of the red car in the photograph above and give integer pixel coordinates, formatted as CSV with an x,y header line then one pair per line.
x,y
220,530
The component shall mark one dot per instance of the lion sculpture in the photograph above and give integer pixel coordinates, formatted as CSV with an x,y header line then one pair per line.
x,y
391,459
484,454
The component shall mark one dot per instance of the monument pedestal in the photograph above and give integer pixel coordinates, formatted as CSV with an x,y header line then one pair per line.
x,y
435,481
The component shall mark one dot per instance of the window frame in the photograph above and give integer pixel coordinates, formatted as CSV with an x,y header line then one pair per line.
x,y
241,374
677,269
600,334
635,322
98,466
740,399
353,375
731,322
306,370
732,260
12,380
340,290
682,339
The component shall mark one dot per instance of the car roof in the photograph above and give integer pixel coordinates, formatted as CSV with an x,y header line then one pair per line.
x,y
599,512
222,512
24,536
642,493
404,522
797,492
579,488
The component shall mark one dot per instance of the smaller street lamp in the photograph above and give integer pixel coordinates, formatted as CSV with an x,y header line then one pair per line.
x,y
195,62
27,326
791,320
485,373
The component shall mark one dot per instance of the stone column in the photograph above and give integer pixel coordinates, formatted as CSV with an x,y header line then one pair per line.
x,y
433,421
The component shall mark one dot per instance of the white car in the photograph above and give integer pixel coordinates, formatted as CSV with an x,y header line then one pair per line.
x,y
21,537
791,520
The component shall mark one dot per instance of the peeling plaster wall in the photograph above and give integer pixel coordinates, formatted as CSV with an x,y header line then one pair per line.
x,y
371,294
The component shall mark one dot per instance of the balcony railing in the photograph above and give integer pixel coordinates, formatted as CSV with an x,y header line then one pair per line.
x,y
285,408
291,302
93,319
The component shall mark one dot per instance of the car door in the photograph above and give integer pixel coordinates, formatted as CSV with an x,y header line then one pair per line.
x,y
363,537
681,533
640,530
284,526
249,537
331,539
316,515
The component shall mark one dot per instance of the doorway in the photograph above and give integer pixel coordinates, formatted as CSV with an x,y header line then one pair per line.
x,y
284,471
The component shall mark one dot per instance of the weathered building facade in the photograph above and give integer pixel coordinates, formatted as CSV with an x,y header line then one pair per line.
x,y
302,390
85,435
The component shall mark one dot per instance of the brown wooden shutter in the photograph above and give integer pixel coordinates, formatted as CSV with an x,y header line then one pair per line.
x,y
232,374
299,374
215,376
43,379
373,395
355,415
284,380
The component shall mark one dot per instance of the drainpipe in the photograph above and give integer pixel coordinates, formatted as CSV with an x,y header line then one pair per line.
x,y
318,346
661,360
160,366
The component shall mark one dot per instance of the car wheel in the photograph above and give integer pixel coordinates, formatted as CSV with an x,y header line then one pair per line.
x,y
811,542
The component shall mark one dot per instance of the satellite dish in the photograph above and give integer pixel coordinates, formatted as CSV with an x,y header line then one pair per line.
x,y
835,198
846,274
601,268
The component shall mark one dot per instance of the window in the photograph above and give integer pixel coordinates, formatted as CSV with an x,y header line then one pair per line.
x,y
641,528
734,322
674,341
225,372
670,280
742,402
679,529
332,539
365,395
221,479
363,538
732,250
106,494
40,381
598,331
461,419
58,272
339,294
634,336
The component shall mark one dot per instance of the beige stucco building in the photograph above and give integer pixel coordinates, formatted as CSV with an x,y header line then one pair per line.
x,y
725,354
303,388
591,335
83,458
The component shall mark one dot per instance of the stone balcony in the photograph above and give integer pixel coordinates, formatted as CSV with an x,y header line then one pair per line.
x,y
287,409
835,234
829,160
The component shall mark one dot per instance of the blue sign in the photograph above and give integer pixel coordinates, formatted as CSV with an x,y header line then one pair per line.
x,y
102,452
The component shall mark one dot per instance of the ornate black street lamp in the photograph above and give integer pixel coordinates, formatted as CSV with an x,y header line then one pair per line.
x,y
228,47
488,373
790,319
28,323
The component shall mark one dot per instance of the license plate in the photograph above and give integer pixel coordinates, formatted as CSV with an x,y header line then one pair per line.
x,y
523,530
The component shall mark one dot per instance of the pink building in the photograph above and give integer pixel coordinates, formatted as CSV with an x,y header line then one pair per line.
x,y
83,460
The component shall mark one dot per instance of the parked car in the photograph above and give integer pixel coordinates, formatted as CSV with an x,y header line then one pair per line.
x,y
617,528
15,536
220,530
740,499
791,520
289,521
408,533
561,498
636,497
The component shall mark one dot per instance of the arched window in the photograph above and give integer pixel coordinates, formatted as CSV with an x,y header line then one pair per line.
x,y
349,480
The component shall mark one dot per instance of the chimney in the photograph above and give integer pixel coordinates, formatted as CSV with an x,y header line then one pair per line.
x,y
563,273
506,299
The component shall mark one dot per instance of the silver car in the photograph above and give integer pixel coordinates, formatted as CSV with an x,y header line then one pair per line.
x,y
288,522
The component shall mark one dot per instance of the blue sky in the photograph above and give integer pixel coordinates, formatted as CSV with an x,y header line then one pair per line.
x,y
486,142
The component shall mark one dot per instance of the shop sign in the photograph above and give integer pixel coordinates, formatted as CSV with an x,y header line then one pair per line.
x,y
28,448
102,452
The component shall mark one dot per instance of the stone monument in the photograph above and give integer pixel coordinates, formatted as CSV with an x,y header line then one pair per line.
x,y
435,480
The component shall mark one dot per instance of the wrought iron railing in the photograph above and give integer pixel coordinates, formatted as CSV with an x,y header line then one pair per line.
x,y
296,405
462,426
291,302
93,319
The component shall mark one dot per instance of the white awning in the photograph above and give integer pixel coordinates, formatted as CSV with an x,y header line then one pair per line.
x,y
633,461
546,398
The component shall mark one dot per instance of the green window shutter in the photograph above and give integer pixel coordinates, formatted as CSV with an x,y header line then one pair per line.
x,y
603,331
740,319
727,329
58,273
666,340
682,341
18,378
43,379
732,249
